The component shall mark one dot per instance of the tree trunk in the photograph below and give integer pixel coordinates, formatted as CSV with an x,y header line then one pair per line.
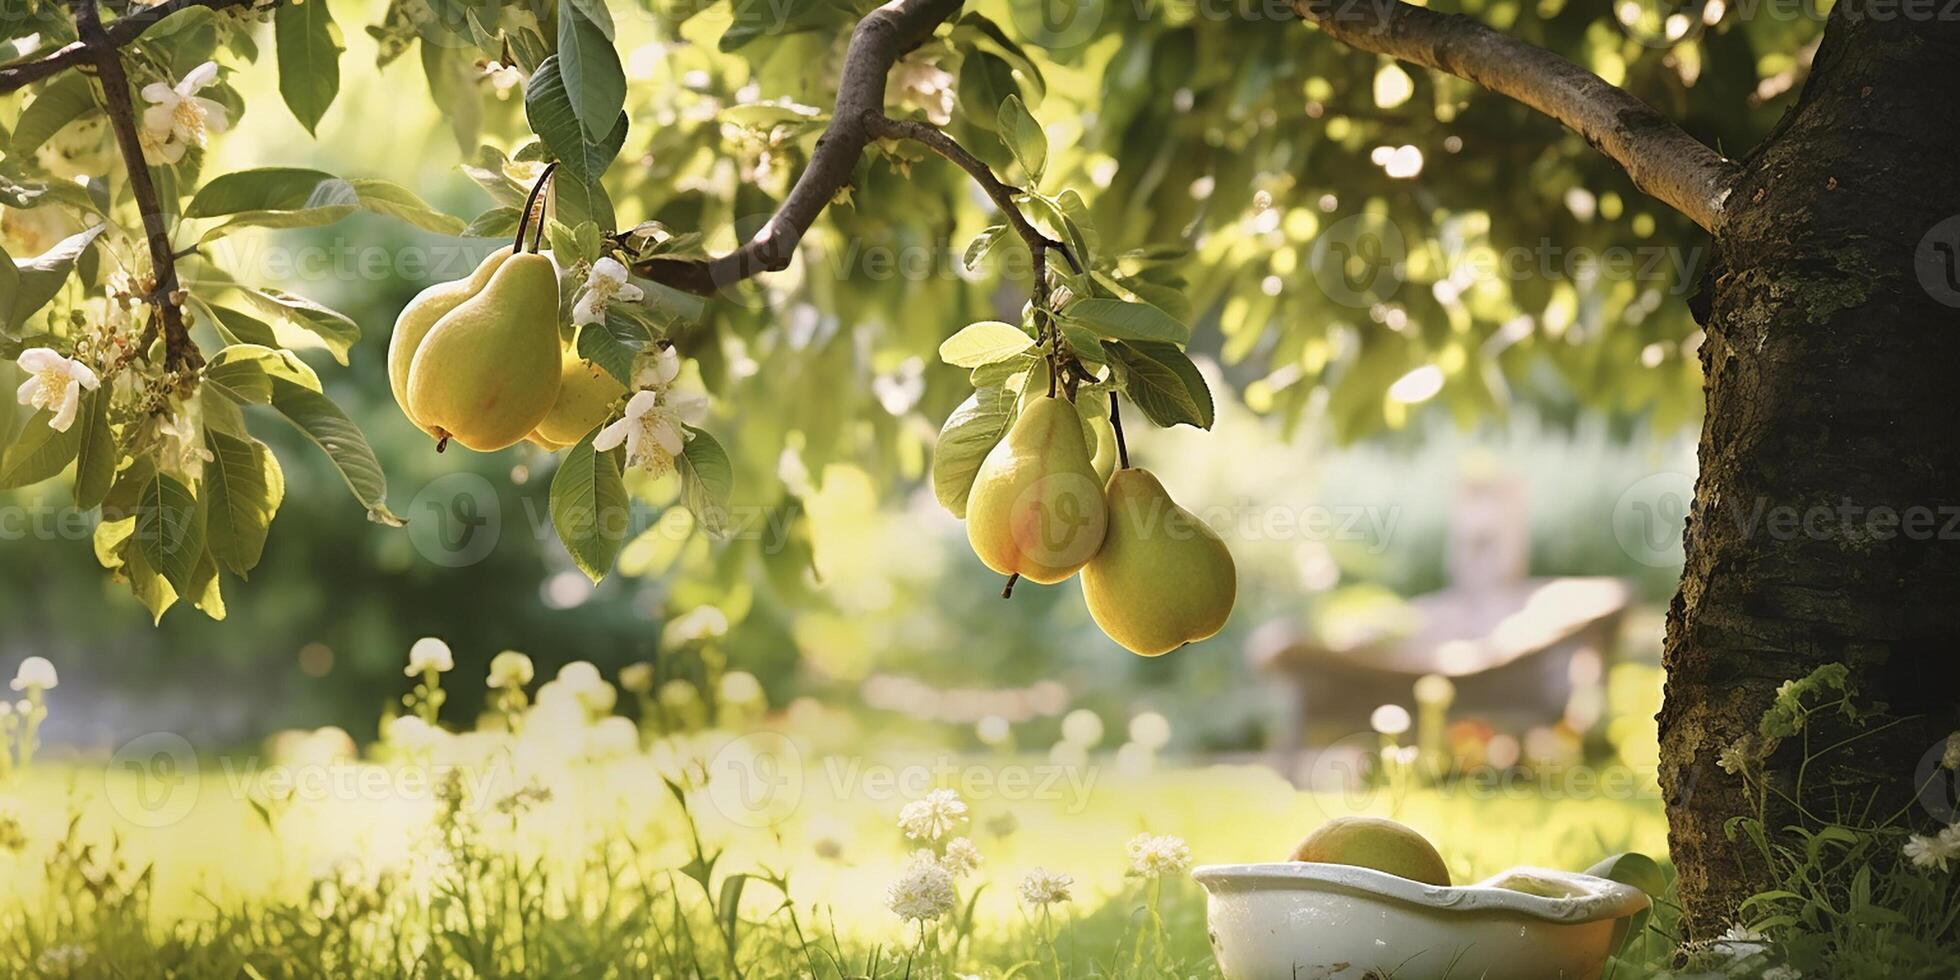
x,y
1832,376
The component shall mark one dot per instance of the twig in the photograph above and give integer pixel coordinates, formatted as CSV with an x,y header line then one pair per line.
x,y
879,40
1001,194
123,31
1659,155
1116,423
178,350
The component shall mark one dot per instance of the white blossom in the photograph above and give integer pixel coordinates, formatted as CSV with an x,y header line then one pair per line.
x,y
606,282
178,118
920,82
1158,857
35,673
962,858
54,384
410,733
504,79
510,669
183,447
1044,887
933,817
651,432
660,370
1937,851
429,654
923,892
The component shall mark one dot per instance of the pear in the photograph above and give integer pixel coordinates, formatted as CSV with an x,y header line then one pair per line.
x,y
1371,842
488,372
1096,430
1104,460
1037,509
586,393
1163,578
422,312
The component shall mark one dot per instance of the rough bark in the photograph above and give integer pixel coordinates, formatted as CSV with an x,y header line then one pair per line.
x,y
1830,377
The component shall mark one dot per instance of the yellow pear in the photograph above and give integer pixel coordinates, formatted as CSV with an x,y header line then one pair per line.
x,y
1163,578
1037,509
488,372
1105,458
586,393
422,312
1371,842
1096,429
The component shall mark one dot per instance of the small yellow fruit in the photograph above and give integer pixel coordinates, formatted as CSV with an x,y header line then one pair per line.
x,y
1371,842
488,372
586,393
1037,509
1163,578
421,314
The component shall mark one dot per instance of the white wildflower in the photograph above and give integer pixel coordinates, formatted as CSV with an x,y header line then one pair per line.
x,y
504,79
178,117
411,734
659,370
54,384
582,681
923,892
651,432
1937,851
739,687
962,858
510,669
1150,730
1082,727
1044,887
1158,857
35,674
931,818
429,654
606,282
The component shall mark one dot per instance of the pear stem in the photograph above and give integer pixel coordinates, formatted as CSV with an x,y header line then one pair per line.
x,y
531,203
1116,422
1007,591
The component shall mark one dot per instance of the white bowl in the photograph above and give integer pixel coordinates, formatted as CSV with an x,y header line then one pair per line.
x,y
1305,921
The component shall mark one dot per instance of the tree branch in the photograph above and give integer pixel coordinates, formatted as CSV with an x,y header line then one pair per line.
x,y
883,127
879,40
119,33
101,46
1661,157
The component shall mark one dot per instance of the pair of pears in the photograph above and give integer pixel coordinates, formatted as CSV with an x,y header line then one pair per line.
x,y
479,360
1155,577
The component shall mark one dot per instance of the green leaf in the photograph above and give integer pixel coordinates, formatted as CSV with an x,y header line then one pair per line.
x,y
169,531
319,419
549,108
61,102
589,507
37,280
309,60
1024,138
1122,320
613,344
707,480
39,452
498,222
982,245
596,12
1162,382
95,457
243,487
589,65
453,86
242,328
244,373
985,82
964,441
985,342
334,328
396,201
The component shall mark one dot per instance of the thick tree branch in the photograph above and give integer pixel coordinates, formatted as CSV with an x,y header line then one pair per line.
x,y
119,33
179,351
1662,159
880,39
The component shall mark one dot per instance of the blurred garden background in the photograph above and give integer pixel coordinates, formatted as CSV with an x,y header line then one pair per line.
x,y
1455,506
